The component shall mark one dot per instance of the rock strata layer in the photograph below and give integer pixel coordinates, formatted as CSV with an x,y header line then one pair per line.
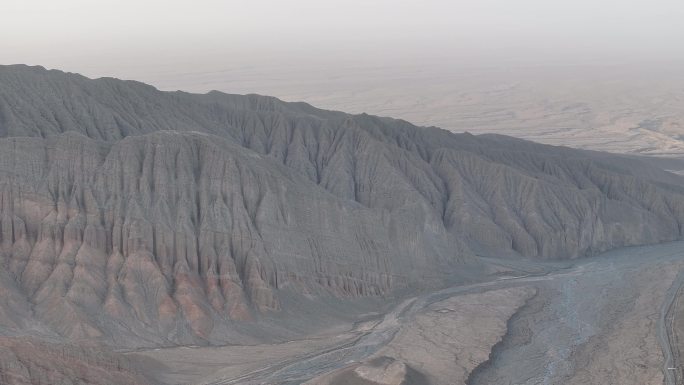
x,y
144,218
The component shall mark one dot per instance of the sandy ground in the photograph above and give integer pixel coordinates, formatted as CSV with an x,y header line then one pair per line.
x,y
602,107
198,365
595,321
670,333
597,327
444,342
450,338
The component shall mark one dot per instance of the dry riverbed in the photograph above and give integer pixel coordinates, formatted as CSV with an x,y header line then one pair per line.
x,y
611,319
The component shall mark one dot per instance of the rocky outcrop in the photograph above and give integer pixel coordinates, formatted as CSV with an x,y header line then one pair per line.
x,y
142,217
167,234
377,371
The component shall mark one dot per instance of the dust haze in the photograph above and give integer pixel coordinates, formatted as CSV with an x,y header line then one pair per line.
x,y
574,73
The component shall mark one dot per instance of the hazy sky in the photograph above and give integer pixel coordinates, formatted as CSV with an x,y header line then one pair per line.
x,y
110,36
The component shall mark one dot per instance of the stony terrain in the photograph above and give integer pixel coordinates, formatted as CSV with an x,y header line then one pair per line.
x,y
145,218
591,321
596,324
29,360
442,344
135,218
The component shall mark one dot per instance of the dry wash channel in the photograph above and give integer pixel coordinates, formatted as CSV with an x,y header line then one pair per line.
x,y
590,322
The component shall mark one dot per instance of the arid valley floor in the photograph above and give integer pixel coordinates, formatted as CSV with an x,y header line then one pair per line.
x,y
610,319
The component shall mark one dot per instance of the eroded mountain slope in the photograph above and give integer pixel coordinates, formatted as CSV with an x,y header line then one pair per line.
x,y
142,217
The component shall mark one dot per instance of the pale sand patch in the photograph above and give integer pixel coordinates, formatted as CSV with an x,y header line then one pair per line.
x,y
445,342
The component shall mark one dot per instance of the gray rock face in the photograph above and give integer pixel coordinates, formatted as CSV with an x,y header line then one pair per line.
x,y
142,217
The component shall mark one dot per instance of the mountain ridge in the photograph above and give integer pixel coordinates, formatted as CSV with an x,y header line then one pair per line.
x,y
146,218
